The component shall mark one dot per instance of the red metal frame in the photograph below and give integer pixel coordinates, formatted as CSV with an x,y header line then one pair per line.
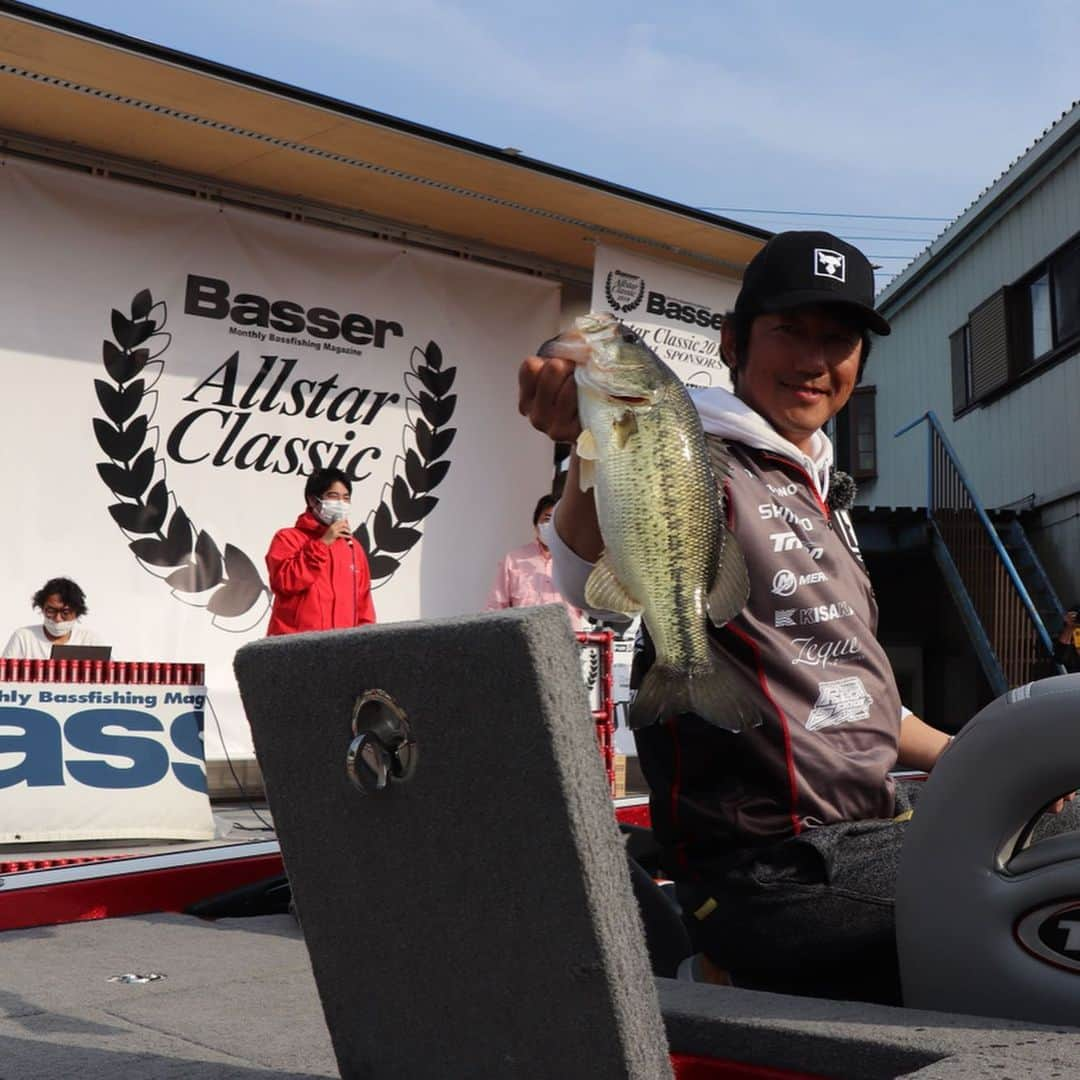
x,y
104,672
604,717
132,885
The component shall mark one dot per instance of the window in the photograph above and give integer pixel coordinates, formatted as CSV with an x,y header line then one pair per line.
x,y
856,435
1022,326
1040,338
960,352
1066,272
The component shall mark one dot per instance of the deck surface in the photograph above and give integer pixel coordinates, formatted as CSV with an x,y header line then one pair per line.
x,y
237,1000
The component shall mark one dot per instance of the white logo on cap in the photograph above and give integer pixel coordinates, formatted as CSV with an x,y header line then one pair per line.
x,y
830,264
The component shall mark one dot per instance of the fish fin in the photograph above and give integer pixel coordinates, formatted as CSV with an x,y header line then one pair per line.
x,y
731,586
586,446
719,457
587,455
625,426
713,694
586,474
604,591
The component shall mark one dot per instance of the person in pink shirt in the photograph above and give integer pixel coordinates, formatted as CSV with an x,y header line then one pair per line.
x,y
524,575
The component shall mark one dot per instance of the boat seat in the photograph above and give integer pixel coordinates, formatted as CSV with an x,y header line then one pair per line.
x,y
988,922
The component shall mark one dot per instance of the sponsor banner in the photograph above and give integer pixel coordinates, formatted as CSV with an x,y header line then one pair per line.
x,y
89,762
677,311
176,369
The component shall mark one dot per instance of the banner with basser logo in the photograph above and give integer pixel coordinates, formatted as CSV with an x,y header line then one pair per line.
x,y
677,311
174,370
105,762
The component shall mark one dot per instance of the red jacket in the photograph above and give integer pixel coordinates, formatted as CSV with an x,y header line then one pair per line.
x,y
315,586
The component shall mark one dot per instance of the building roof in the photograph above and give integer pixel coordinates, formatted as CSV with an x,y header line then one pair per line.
x,y
1058,142
77,88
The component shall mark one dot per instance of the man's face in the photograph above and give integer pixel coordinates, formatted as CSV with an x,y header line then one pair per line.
x,y
801,367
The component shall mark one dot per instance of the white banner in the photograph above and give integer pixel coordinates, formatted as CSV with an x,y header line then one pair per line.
x,y
102,762
677,311
174,369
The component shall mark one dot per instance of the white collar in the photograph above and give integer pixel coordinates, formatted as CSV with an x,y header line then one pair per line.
x,y
729,417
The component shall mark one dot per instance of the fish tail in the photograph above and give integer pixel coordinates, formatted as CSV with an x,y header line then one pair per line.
x,y
713,693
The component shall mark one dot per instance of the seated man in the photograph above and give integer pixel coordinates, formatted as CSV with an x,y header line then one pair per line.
x,y
62,604
783,840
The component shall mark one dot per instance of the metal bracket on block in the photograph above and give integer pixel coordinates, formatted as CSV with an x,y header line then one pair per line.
x,y
382,749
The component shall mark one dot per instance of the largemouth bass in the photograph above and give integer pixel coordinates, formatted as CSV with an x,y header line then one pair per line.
x,y
668,555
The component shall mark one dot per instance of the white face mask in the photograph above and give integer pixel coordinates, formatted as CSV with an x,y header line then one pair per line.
x,y
59,629
330,510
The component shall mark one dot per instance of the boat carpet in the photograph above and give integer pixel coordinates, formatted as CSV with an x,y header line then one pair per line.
x,y
238,1002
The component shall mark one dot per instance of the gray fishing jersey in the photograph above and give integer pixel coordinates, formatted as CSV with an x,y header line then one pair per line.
x,y
805,650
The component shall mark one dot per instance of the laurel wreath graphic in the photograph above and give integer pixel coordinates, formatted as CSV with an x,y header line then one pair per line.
x,y
160,533
614,304
390,530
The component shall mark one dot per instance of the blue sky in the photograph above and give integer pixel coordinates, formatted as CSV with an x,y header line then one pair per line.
x,y
833,106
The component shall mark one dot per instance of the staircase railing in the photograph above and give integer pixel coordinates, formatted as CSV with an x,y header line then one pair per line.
x,y
994,591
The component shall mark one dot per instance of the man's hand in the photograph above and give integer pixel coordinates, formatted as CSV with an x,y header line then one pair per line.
x,y
1059,805
338,529
547,395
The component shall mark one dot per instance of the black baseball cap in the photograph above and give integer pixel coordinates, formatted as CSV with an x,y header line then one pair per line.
x,y
798,268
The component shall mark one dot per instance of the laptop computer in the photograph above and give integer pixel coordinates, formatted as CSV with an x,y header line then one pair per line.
x,y
81,652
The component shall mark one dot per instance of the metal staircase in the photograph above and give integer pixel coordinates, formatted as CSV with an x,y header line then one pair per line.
x,y
1040,589
1008,631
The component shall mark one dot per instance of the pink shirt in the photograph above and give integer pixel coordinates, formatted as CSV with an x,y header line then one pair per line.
x,y
524,580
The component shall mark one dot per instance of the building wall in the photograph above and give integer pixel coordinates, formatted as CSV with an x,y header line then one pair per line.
x,y
1026,444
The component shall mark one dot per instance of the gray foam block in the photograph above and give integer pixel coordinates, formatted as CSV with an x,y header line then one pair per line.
x,y
477,920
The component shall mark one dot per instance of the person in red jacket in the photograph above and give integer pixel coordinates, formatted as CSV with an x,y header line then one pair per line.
x,y
318,572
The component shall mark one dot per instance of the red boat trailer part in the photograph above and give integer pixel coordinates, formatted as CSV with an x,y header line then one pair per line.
x,y
111,886
693,1067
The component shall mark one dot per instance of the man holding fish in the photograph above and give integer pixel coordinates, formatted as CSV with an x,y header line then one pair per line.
x,y
767,717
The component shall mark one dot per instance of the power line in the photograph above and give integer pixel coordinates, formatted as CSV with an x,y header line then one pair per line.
x,y
819,213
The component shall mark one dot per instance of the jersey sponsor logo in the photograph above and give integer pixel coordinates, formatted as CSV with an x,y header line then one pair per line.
x,y
847,533
807,616
770,512
785,582
840,701
815,653
788,541
781,492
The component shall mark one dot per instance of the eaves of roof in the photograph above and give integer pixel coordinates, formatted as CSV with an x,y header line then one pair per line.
x,y
70,83
1046,154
